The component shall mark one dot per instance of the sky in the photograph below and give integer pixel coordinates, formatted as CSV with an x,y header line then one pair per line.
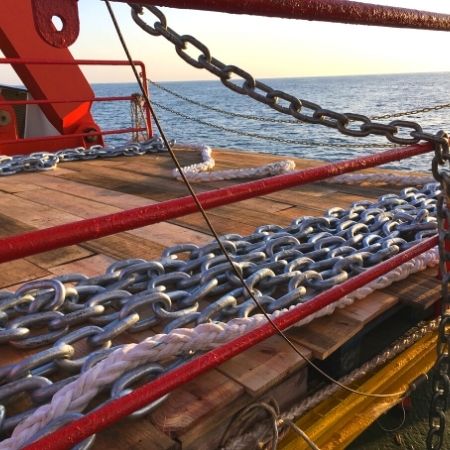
x,y
265,47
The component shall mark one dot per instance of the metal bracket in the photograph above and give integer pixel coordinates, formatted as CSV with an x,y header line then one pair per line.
x,y
47,12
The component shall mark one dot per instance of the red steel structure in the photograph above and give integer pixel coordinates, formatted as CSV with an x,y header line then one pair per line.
x,y
340,11
10,144
29,243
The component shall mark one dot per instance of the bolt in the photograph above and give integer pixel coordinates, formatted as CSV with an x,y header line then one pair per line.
x,y
5,118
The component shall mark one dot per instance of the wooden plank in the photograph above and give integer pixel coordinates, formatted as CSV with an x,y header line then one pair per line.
x,y
325,335
124,246
367,309
264,365
417,291
19,271
134,435
162,233
33,214
94,265
195,402
59,256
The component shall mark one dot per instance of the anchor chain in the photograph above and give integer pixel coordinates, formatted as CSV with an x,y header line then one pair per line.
x,y
191,285
441,373
43,161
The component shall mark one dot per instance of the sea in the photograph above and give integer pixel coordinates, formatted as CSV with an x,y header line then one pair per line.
x,y
206,112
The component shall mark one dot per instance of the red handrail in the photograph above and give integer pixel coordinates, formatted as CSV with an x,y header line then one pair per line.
x,y
43,102
37,241
89,62
66,437
341,11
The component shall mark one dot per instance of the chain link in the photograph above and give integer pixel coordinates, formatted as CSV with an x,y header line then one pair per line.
x,y
398,131
304,143
43,161
282,266
287,121
440,380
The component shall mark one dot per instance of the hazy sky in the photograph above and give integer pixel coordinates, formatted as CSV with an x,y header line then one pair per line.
x,y
266,47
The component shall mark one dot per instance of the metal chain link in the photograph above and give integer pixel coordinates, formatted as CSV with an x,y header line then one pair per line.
x,y
412,112
441,380
43,161
350,124
282,267
304,143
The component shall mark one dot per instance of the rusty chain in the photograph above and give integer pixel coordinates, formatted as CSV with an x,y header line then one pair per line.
x,y
411,112
441,380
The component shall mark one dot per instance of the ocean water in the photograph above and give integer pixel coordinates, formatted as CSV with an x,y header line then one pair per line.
x,y
370,95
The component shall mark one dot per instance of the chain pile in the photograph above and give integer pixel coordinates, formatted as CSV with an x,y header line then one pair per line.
x,y
42,161
282,266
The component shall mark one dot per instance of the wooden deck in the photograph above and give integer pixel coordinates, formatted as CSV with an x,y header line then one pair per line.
x,y
195,415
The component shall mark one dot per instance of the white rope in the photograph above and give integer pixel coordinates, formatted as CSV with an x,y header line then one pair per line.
x,y
76,395
202,172
391,179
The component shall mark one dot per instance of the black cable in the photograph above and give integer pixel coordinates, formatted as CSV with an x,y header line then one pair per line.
x,y
212,229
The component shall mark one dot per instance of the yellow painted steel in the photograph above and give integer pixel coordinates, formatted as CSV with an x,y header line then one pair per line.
x,y
337,421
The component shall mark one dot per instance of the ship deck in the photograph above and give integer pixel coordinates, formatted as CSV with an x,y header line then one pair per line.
x,y
195,415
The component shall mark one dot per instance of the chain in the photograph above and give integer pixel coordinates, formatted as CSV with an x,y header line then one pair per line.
x,y
304,143
43,161
412,112
440,380
398,131
287,121
282,267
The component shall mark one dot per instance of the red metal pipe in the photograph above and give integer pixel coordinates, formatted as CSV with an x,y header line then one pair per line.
x,y
65,136
341,11
91,62
43,102
67,436
34,242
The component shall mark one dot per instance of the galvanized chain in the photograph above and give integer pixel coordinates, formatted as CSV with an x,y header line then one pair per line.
x,y
281,140
441,380
43,161
282,267
400,132
411,112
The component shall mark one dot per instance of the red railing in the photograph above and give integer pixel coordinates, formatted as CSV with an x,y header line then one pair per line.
x,y
36,241
18,146
73,233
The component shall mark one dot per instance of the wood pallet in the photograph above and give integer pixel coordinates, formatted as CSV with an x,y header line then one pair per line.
x,y
195,415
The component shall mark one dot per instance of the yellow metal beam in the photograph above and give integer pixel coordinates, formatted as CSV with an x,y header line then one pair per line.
x,y
337,421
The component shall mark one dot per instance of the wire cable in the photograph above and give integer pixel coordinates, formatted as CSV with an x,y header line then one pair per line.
x,y
213,231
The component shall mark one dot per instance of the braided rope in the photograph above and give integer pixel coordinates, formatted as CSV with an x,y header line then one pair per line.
x,y
76,395
202,172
